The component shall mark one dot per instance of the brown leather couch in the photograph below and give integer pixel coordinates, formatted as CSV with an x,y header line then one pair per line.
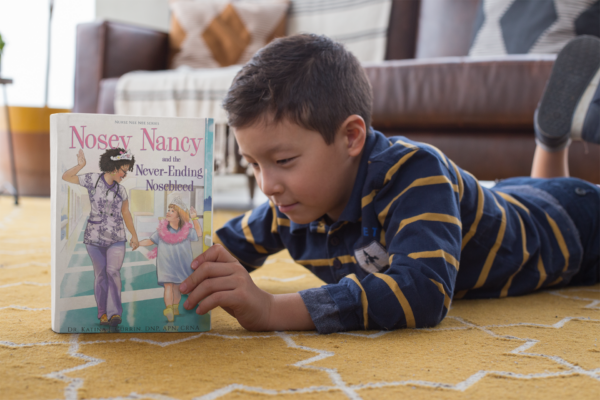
x,y
479,111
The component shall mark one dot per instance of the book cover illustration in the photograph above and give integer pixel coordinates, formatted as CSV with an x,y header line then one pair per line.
x,y
131,209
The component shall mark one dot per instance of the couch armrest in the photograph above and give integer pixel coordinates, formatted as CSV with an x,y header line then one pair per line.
x,y
107,50
498,93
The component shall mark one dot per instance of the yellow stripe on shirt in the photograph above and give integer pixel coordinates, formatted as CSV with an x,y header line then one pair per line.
x,y
277,222
512,200
327,262
430,217
461,184
441,154
396,167
274,221
504,291
436,254
542,272
561,241
430,180
368,199
363,300
492,254
408,314
478,215
440,287
283,222
403,143
248,234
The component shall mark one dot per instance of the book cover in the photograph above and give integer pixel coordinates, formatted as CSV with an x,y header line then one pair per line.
x,y
131,202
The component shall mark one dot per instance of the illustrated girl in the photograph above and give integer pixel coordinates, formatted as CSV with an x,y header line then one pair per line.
x,y
104,236
174,237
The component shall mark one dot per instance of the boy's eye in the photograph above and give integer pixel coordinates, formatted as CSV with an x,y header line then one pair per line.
x,y
285,160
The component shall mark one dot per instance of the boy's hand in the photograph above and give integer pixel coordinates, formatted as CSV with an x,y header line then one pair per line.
x,y
220,280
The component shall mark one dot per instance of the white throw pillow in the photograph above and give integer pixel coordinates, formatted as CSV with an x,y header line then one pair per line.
x,y
360,25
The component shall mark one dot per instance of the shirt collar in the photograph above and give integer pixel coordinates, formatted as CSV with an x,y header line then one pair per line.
x,y
352,211
110,187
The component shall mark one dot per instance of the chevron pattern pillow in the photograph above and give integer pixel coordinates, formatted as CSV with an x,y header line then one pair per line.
x,y
219,33
532,26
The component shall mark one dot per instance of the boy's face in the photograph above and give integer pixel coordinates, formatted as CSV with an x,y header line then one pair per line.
x,y
302,175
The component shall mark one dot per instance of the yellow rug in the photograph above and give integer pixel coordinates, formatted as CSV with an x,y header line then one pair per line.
x,y
541,346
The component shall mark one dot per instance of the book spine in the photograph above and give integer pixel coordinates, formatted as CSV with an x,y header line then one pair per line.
x,y
54,215
208,173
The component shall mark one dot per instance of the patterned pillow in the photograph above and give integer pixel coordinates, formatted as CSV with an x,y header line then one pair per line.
x,y
531,26
219,33
361,25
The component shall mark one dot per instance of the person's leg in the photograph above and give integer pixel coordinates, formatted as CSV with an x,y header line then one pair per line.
x,y
168,311
98,256
550,164
168,294
569,108
176,299
115,254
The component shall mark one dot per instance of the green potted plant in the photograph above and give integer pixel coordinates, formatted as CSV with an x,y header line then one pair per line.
x,y
2,43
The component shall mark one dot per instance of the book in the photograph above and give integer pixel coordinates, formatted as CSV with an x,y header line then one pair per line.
x,y
131,202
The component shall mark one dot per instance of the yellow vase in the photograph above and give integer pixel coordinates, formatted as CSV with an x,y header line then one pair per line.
x,y
31,143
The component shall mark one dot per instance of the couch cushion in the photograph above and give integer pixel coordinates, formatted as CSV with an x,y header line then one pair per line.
x,y
106,96
108,49
458,92
529,26
445,27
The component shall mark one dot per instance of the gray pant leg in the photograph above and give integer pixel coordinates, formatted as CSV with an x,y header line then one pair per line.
x,y
98,256
115,254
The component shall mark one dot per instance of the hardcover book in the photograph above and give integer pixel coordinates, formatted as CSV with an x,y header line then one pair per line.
x,y
131,208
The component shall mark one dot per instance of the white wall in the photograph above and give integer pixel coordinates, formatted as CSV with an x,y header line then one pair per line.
x,y
24,27
149,13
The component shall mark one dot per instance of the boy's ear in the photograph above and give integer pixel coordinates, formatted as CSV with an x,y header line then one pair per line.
x,y
354,132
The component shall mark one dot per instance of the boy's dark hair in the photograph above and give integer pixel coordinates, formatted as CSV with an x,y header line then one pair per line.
x,y
308,79
108,165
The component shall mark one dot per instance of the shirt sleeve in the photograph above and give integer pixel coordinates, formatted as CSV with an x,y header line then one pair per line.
x,y
123,192
193,235
419,210
251,237
154,237
88,180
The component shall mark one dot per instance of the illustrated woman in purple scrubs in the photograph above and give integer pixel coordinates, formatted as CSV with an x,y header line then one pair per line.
x,y
104,236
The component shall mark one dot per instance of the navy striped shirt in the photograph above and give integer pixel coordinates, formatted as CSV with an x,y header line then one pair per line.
x,y
416,232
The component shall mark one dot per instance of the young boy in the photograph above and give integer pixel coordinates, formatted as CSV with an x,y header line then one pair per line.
x,y
387,222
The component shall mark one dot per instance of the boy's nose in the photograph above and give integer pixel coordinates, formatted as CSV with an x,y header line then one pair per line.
x,y
269,184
